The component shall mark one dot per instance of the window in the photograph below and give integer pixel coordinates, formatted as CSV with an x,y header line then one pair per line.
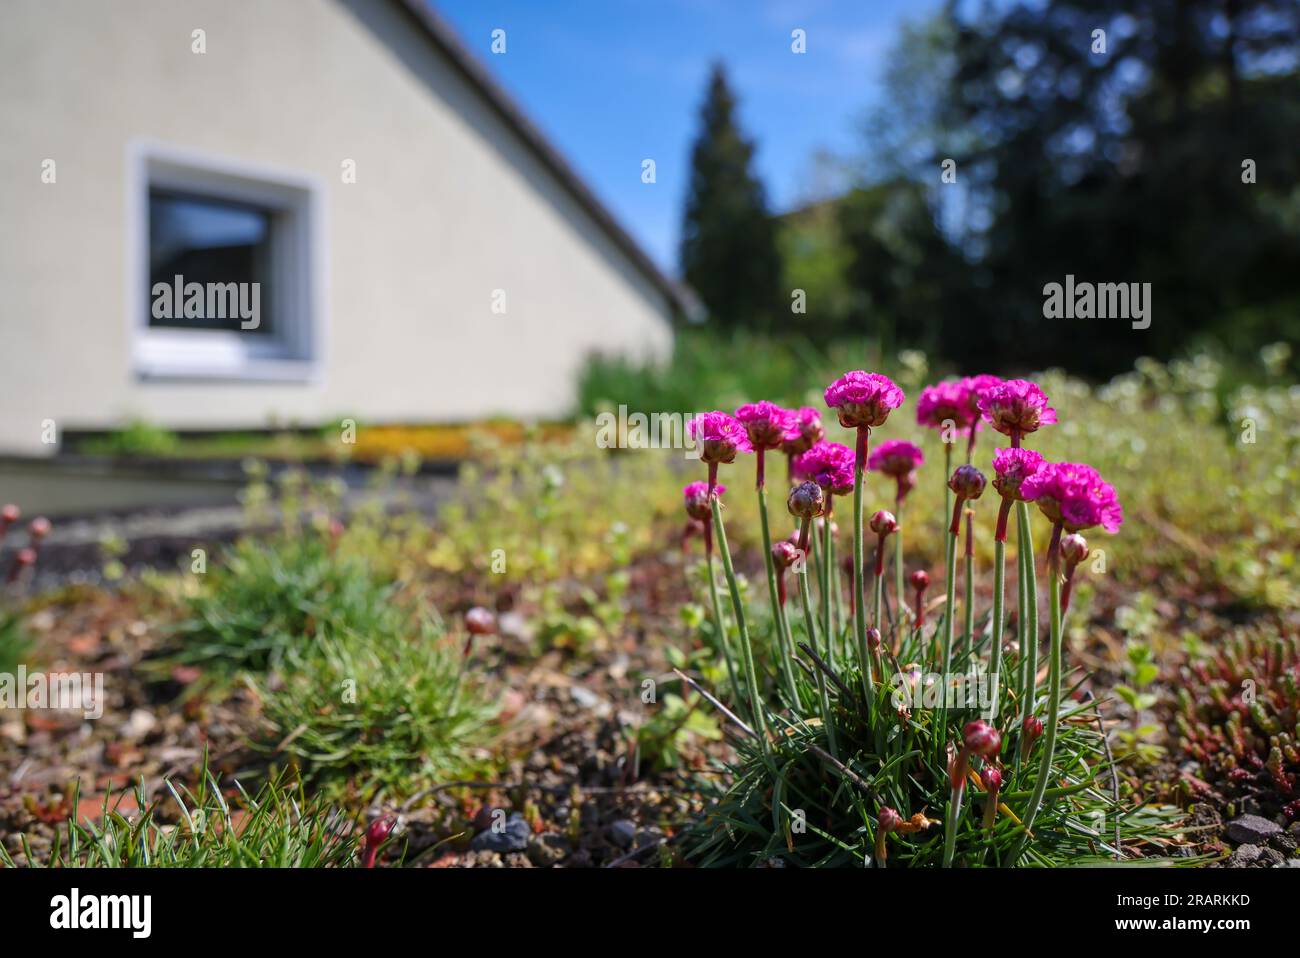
x,y
224,275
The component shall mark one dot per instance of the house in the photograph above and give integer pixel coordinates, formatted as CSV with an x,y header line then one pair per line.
x,y
219,214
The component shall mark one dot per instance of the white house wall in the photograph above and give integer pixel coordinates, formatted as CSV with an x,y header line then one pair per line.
x,y
448,206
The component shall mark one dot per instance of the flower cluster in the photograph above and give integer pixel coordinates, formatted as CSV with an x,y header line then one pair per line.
x,y
1015,407
1074,495
768,425
862,399
830,465
720,436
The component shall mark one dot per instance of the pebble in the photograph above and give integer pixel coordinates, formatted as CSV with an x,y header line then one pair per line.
x,y
1252,830
622,832
511,838
547,850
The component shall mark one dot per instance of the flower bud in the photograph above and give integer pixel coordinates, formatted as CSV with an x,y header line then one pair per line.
x,y
806,500
1074,548
784,553
967,482
982,738
480,621
39,529
873,639
1032,727
991,779
696,496
920,580
883,523
9,515
888,819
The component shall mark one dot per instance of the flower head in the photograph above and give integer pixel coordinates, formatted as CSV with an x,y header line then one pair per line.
x,y
920,580
806,500
976,387
784,553
967,482
720,436
767,424
9,514
873,638
39,528
982,738
1016,407
808,423
480,621
696,495
895,457
888,818
991,779
1075,495
1011,467
883,523
943,403
863,399
830,465
1032,727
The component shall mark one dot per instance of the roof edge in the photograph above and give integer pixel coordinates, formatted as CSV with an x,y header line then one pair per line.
x,y
448,42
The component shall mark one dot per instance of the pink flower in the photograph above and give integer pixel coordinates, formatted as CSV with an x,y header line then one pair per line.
x,y
895,457
808,422
720,435
863,399
977,386
830,465
1074,495
1016,407
697,499
767,424
945,402
1011,467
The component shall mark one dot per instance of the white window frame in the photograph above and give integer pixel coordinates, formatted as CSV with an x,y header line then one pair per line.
x,y
293,352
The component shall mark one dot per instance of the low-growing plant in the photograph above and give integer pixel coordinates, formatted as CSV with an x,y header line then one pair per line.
x,y
390,710
16,643
266,598
278,827
863,746
1237,715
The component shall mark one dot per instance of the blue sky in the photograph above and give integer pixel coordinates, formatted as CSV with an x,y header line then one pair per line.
x,y
613,82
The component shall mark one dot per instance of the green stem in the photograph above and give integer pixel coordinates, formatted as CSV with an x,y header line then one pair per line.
x,y
721,628
828,584
999,614
805,599
968,630
778,614
1030,625
738,609
900,598
1053,689
950,824
859,579
949,585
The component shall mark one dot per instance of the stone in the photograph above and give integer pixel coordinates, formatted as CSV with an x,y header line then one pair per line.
x,y
512,838
622,832
1252,830
1245,855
